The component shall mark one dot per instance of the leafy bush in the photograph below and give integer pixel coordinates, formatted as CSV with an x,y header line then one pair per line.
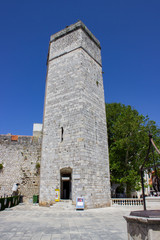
x,y
1,166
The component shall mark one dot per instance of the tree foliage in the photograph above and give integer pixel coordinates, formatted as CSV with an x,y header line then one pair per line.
x,y
128,143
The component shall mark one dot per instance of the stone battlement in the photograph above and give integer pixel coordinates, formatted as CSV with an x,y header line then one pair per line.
x,y
73,28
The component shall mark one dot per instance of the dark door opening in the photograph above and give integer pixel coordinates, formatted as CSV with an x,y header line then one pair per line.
x,y
66,190
66,186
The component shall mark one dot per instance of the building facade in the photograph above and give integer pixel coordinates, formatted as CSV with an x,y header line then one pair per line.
x,y
20,161
74,146
73,154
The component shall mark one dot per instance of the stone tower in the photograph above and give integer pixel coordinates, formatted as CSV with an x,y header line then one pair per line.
x,y
74,146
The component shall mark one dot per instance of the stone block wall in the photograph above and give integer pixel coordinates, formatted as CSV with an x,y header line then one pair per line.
x,y
74,142
74,102
19,156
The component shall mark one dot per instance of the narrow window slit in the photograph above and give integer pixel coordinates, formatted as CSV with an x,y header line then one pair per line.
x,y
62,134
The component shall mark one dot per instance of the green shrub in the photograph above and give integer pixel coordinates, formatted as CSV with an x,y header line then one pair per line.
x,y
1,166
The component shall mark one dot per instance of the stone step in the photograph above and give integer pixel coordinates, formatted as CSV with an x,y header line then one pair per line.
x,y
65,201
63,205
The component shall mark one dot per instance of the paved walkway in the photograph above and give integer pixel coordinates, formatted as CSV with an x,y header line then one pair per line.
x,y
28,222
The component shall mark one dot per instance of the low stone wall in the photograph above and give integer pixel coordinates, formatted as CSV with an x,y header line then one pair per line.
x,y
19,156
140,228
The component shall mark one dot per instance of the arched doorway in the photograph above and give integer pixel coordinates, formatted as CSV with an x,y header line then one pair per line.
x,y
66,183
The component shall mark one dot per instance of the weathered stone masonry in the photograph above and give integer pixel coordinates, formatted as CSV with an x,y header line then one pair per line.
x,y
74,141
73,153
19,156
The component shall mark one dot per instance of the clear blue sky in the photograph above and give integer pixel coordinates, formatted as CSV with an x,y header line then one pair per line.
x,y
129,32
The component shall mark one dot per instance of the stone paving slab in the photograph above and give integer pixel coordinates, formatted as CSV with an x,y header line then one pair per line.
x,y
41,223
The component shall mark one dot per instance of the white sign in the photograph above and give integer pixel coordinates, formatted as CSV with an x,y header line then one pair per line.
x,y
65,178
80,203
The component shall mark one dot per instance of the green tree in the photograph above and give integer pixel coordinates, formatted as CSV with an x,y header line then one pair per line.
x,y
128,144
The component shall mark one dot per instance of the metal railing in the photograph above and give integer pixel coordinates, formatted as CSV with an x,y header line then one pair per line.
x,y
127,201
8,202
